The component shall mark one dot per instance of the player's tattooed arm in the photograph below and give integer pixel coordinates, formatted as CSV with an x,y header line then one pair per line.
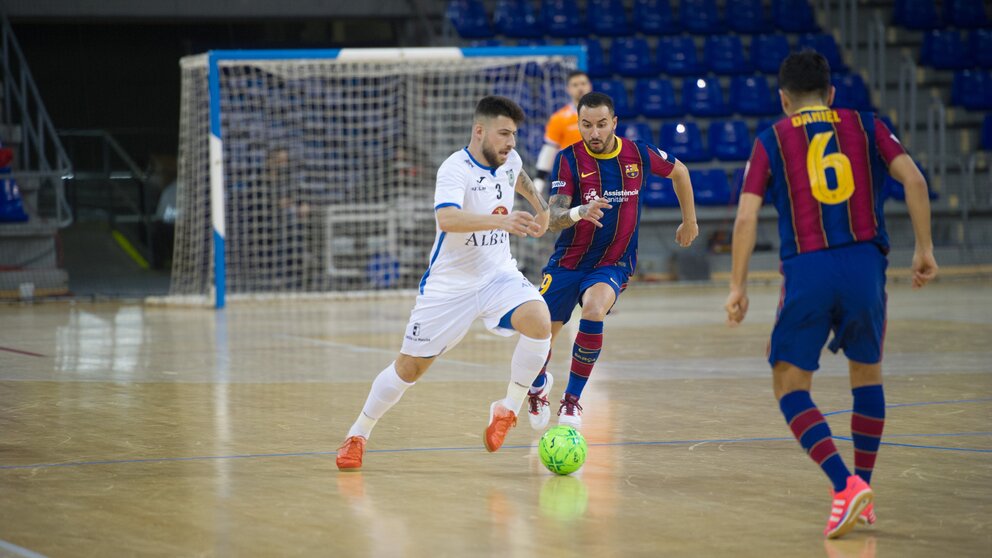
x,y
529,191
560,219
561,213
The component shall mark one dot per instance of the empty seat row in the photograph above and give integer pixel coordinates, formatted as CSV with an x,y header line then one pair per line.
x,y
972,89
728,140
679,55
923,15
704,96
951,50
563,18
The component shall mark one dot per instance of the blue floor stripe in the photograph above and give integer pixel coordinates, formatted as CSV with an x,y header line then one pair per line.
x,y
19,551
918,404
479,448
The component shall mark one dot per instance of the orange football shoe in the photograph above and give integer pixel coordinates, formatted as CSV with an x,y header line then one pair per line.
x,y
501,420
350,453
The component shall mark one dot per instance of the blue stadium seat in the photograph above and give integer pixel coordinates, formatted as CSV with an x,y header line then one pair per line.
x,y
660,192
607,17
751,95
636,131
537,41
794,16
704,97
729,140
747,16
725,55
656,98
945,50
630,56
597,65
987,132
768,52
825,45
561,18
516,18
969,14
710,187
764,124
700,16
486,43
738,185
616,90
916,14
981,46
677,56
972,89
654,17
683,140
852,93
469,18
895,190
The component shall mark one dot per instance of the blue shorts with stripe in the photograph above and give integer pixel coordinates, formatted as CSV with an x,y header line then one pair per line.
x,y
839,290
563,288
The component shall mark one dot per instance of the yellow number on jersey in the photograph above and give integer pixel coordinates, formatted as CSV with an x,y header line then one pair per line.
x,y
545,283
817,163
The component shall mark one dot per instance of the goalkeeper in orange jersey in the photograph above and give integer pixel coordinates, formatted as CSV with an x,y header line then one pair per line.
x,y
562,129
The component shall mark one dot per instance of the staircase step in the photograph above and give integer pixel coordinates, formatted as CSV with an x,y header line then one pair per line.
x,y
33,283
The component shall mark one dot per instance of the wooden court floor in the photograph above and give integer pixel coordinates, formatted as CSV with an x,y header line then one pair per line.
x,y
128,429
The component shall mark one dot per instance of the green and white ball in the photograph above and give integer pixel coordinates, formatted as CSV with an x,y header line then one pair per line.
x,y
562,450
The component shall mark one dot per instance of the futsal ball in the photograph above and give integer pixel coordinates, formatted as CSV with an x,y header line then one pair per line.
x,y
562,450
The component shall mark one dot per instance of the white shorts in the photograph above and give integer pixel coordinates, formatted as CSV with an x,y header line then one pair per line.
x,y
439,321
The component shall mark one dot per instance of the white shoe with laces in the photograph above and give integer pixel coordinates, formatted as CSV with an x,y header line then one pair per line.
x,y
539,410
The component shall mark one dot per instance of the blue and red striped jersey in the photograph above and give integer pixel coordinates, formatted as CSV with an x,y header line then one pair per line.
x,y
824,169
619,177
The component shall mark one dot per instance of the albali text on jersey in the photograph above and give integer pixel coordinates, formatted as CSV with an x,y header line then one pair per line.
x,y
461,262
619,177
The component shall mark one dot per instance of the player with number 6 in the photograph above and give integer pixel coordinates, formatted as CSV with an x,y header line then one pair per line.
x,y
824,169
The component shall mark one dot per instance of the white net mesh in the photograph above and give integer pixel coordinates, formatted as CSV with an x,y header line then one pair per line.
x,y
329,166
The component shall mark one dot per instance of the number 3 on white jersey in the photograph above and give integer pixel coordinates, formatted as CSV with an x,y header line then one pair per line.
x,y
817,163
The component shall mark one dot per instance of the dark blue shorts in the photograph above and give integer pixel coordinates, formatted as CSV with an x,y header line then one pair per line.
x,y
563,288
840,290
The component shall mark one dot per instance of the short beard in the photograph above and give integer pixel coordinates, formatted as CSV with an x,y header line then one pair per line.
x,y
490,156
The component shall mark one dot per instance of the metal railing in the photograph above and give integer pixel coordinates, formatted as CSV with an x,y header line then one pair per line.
x,y
41,155
877,58
906,104
111,167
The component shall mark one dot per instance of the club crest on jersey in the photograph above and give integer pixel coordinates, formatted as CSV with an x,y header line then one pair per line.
x,y
500,210
590,195
632,170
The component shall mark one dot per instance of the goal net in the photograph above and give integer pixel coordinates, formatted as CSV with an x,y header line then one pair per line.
x,y
313,171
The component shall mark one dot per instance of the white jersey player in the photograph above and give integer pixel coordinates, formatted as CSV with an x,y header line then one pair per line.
x,y
471,274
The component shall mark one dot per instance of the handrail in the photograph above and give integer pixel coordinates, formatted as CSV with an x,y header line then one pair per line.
x,y
877,57
41,152
937,134
908,89
111,142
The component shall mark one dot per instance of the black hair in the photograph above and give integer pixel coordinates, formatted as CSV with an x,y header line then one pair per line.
x,y
805,72
575,73
494,105
596,99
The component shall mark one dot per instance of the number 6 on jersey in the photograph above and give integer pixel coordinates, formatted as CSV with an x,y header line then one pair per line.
x,y
817,163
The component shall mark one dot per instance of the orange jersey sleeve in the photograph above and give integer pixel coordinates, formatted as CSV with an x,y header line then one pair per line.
x,y
563,127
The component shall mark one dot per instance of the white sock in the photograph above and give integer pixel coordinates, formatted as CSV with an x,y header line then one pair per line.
x,y
386,391
528,358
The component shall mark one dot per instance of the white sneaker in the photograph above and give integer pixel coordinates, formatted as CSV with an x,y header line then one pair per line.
x,y
539,410
570,412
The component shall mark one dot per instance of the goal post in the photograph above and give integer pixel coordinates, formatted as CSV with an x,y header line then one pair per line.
x,y
304,172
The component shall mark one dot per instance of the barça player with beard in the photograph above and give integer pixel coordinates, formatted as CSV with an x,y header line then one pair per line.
x,y
596,204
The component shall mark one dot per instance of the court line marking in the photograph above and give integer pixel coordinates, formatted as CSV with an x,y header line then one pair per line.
x,y
20,352
917,404
19,550
361,349
479,448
